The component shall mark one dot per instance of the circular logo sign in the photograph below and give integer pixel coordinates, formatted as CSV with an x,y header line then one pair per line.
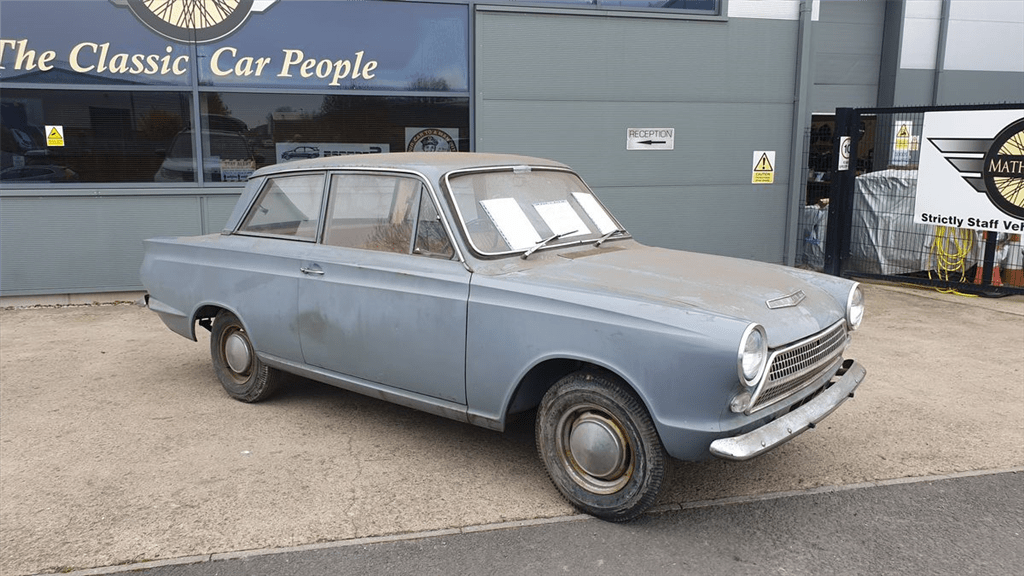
x,y
193,20
1004,170
432,140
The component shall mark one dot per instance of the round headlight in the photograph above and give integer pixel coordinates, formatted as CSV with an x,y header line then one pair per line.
x,y
855,308
753,354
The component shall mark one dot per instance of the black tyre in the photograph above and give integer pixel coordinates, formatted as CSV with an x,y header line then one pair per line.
x,y
240,371
600,446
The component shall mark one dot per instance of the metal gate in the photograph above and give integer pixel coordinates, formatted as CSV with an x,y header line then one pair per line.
x,y
871,230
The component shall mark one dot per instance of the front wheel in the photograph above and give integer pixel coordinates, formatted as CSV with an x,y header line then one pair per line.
x,y
239,370
600,446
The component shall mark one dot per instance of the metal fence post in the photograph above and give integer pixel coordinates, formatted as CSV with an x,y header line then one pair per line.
x,y
843,180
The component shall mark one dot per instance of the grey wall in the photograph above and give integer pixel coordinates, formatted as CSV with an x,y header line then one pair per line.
x,y
568,86
81,241
947,52
847,51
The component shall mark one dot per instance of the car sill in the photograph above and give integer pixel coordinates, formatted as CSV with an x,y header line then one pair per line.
x,y
405,398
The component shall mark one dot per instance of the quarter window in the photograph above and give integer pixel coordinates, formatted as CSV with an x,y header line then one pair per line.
x,y
288,206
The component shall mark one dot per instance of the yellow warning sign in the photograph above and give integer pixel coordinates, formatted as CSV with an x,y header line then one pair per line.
x,y
902,143
54,135
903,136
764,167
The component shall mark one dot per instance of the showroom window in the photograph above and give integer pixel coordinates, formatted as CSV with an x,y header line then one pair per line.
x,y
101,96
242,131
106,136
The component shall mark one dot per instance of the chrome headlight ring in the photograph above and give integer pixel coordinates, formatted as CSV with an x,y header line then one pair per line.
x,y
854,308
752,357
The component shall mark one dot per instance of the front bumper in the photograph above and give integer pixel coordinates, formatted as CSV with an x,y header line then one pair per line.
x,y
784,428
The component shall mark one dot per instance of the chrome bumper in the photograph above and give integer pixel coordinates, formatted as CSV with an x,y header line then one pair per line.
x,y
784,428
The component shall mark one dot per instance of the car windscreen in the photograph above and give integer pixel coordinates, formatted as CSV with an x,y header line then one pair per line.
x,y
513,210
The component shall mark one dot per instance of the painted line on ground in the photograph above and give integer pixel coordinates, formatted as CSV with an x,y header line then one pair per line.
x,y
660,509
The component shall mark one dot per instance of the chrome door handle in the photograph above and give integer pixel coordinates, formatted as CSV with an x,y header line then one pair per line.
x,y
312,271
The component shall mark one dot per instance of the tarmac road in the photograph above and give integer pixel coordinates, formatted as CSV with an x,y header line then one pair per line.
x,y
117,444
970,524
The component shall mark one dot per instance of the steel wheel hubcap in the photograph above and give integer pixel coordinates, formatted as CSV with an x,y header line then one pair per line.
x,y
594,449
237,353
597,446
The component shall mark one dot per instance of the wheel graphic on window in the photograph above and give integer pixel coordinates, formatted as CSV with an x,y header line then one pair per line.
x,y
1004,170
193,20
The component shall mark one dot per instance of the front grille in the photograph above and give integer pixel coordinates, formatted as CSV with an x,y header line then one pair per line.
x,y
797,365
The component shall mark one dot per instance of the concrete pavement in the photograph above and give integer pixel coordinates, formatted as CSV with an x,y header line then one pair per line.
x,y
117,444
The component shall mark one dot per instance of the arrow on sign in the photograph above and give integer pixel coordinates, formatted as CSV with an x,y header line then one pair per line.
x,y
649,142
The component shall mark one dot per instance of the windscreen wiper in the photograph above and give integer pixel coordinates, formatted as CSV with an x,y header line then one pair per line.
x,y
544,242
608,235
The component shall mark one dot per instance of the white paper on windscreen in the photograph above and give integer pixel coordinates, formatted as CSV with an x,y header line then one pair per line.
x,y
561,218
596,213
511,221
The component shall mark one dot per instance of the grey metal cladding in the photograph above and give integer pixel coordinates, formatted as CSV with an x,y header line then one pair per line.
x,y
678,218
217,211
36,257
723,86
591,137
847,52
530,57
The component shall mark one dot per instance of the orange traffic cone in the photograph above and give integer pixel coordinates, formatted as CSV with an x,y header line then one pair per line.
x,y
996,280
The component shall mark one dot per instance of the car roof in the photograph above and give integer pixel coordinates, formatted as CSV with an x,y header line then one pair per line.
x,y
431,164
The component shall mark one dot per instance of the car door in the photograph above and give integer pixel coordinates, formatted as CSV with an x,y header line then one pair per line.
x,y
384,299
258,270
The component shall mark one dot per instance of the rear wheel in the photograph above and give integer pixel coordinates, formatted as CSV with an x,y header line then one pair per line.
x,y
600,446
239,370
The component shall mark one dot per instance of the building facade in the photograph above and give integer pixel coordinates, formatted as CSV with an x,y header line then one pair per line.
x,y
124,119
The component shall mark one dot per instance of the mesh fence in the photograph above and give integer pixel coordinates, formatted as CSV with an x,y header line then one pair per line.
x,y
879,236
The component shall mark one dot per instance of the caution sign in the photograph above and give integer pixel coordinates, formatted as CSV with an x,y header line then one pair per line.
x,y
902,143
764,167
54,135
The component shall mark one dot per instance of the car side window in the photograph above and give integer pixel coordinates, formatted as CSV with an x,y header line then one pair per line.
x,y
378,212
288,206
431,238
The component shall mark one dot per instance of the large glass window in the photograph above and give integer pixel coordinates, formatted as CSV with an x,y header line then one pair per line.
x,y
244,131
106,136
71,42
393,46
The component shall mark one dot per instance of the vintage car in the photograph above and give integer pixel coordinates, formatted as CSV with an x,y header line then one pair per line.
x,y
480,287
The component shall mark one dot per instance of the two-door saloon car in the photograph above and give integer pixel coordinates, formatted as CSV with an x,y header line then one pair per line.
x,y
481,286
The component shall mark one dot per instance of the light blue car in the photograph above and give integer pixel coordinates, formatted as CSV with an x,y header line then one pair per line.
x,y
480,287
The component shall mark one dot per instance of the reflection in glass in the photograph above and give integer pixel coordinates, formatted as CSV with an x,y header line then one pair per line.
x,y
391,46
109,136
245,131
91,43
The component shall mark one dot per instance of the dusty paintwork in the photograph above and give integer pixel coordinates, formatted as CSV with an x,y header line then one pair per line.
x,y
483,335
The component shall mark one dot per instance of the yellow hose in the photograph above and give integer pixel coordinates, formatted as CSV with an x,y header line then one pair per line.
x,y
950,250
